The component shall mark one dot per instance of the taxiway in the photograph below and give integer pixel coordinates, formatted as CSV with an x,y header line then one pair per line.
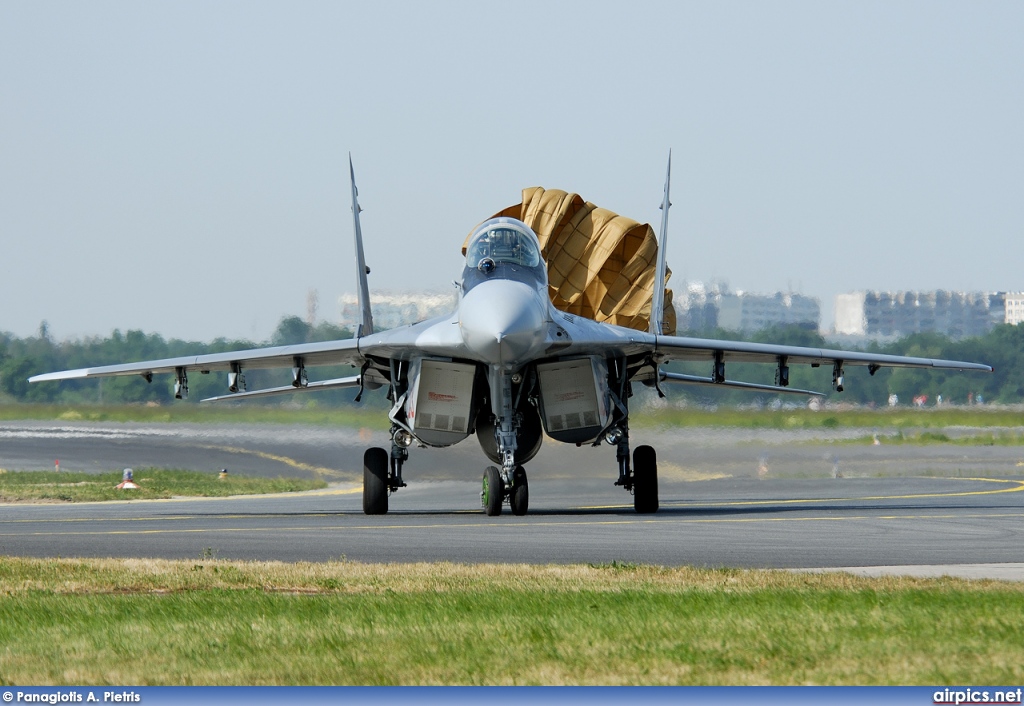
x,y
728,499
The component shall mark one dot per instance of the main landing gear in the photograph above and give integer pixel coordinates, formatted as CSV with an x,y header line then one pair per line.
x,y
645,480
642,479
375,481
383,475
495,492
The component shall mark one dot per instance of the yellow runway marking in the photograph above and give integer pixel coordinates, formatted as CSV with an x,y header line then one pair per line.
x,y
1018,487
319,470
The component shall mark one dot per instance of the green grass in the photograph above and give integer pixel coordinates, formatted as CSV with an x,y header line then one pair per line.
x,y
216,622
153,483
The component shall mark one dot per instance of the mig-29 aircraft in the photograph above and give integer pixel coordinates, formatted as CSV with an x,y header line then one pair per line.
x,y
509,367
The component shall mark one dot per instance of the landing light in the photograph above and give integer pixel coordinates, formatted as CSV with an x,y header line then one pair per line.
x,y
402,438
613,436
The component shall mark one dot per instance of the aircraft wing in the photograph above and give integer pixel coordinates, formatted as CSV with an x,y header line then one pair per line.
x,y
681,348
343,352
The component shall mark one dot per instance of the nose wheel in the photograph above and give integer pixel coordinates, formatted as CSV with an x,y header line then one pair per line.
x,y
519,495
495,492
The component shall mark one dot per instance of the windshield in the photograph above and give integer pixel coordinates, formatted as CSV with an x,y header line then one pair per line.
x,y
502,244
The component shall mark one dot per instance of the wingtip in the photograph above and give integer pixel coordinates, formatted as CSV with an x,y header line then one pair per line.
x,y
63,375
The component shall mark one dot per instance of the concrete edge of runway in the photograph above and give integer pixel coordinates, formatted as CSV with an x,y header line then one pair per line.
x,y
999,572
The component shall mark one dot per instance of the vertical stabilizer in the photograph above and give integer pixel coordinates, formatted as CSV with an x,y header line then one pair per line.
x,y
658,295
365,325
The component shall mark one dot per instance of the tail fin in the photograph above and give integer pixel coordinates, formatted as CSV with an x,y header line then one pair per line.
x,y
365,325
658,295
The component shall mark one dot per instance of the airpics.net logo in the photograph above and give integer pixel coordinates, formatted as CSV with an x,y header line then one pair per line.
x,y
968,697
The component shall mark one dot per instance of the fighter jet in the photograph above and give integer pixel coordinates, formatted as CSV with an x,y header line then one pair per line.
x,y
509,367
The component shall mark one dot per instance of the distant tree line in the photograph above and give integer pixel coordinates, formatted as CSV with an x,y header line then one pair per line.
x,y
20,358
1002,348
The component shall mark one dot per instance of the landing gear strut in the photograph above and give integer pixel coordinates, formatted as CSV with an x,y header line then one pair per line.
x,y
508,482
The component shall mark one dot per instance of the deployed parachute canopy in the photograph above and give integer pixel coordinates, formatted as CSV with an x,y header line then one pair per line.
x,y
600,265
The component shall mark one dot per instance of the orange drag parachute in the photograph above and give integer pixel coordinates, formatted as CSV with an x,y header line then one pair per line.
x,y
600,265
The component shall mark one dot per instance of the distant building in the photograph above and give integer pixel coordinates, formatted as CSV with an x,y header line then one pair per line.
x,y
1014,308
394,309
707,307
697,306
955,314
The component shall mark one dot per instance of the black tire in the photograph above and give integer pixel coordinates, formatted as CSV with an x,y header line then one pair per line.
x,y
645,480
494,491
375,481
519,499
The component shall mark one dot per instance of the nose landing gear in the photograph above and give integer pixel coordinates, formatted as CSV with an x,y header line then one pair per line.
x,y
495,492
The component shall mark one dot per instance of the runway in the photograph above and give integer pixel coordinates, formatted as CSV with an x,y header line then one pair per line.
x,y
728,499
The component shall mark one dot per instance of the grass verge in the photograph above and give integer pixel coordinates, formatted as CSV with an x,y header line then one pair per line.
x,y
154,483
220,622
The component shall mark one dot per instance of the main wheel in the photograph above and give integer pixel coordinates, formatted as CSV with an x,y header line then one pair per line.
x,y
645,480
520,496
375,481
493,491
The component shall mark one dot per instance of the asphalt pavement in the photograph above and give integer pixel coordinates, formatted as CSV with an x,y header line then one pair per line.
x,y
729,498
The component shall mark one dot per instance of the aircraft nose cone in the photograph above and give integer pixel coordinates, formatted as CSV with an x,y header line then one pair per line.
x,y
503,321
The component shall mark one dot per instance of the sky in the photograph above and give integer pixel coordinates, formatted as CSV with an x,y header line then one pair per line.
x,y
181,168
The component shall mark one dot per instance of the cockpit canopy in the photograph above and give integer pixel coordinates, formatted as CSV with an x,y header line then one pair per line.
x,y
504,248
503,243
